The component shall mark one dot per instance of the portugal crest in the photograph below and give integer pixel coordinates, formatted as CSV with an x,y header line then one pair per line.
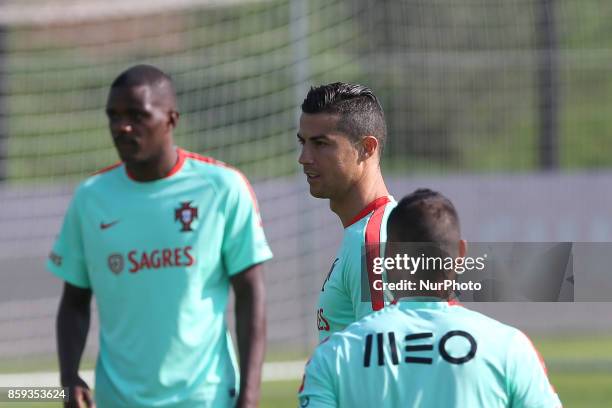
x,y
185,214
115,263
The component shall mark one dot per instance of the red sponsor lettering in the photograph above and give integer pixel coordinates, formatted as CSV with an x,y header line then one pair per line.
x,y
132,258
190,260
177,256
144,261
155,259
160,258
166,257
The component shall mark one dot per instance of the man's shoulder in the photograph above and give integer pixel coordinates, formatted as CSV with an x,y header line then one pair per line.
x,y
456,313
385,317
372,221
496,334
339,345
336,342
108,170
381,319
366,230
101,179
216,171
486,322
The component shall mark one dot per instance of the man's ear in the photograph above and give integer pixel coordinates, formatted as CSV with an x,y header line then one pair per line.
x,y
368,148
173,117
462,248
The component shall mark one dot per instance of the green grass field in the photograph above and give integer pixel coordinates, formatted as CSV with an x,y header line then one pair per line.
x,y
580,369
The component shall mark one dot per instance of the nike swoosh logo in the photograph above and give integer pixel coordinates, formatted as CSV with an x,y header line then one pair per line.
x,y
110,224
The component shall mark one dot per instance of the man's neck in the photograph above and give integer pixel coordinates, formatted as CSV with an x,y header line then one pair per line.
x,y
358,197
417,293
155,169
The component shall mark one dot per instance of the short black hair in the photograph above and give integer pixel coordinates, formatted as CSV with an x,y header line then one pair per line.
x,y
141,75
359,110
425,216
146,75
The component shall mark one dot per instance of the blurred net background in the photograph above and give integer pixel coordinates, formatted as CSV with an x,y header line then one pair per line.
x,y
503,106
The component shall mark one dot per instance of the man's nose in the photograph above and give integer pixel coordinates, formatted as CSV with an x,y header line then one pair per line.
x,y
121,127
305,156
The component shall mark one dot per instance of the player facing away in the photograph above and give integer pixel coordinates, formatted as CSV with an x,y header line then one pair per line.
x,y
342,133
158,239
424,351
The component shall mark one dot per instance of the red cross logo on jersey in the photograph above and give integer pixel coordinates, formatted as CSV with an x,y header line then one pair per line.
x,y
186,214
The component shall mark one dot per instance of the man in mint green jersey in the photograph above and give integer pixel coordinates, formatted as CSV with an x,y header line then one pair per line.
x,y
342,133
158,239
426,351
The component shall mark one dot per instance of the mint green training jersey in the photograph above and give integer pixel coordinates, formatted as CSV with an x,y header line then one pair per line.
x,y
341,301
158,257
427,353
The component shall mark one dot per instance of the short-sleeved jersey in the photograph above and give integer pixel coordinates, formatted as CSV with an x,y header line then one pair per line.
x,y
158,257
341,300
427,353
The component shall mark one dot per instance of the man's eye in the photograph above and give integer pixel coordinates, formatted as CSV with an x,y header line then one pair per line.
x,y
301,142
139,115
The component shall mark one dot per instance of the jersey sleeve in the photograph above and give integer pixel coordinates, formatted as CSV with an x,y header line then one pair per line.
x,y
67,258
527,381
244,242
317,390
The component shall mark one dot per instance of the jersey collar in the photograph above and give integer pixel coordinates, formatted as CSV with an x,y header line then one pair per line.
x,y
379,202
177,166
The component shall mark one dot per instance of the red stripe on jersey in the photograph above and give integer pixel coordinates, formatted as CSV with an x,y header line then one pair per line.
x,y
380,201
216,162
372,242
454,302
201,158
107,168
179,162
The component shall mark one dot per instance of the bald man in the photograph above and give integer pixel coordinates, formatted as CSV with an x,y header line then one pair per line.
x,y
158,238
